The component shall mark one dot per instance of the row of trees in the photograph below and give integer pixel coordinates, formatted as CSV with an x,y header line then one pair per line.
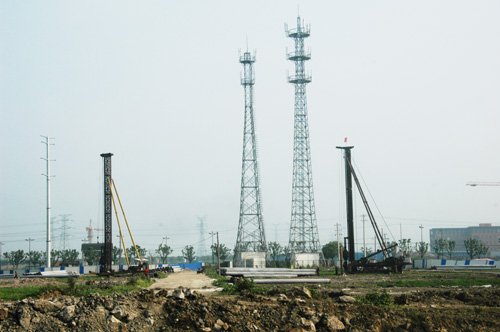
x,y
475,248
38,258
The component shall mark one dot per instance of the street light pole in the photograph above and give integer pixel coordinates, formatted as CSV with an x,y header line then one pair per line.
x,y
421,233
29,251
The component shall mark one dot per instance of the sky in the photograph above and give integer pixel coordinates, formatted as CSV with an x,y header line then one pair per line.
x,y
412,85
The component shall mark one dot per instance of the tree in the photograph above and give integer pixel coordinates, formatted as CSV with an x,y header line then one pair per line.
x,y
116,253
394,248
188,253
471,247
133,254
91,256
224,252
368,250
55,256
405,247
439,247
450,247
288,255
421,248
330,250
163,251
37,258
275,250
8,258
17,257
69,256
482,249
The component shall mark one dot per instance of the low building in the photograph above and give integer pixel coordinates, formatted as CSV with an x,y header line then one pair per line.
x,y
488,234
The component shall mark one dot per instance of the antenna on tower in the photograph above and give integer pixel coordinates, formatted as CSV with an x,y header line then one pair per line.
x,y
251,241
304,238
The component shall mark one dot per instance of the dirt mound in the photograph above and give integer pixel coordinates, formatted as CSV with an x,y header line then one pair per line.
x,y
297,309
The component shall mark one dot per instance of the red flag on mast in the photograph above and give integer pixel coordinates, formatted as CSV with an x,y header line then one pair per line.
x,y
345,140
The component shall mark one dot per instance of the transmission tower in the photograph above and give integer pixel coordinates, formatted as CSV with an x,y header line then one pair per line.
x,y
202,249
64,227
251,241
303,227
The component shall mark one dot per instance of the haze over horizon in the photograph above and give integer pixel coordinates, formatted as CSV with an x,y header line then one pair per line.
x,y
413,86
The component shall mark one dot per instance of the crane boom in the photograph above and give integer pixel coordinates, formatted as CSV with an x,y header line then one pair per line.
x,y
473,183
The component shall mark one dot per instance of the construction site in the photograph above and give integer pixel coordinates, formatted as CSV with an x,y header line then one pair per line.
x,y
296,290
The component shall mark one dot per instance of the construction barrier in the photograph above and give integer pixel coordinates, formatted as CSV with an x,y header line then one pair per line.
x,y
448,264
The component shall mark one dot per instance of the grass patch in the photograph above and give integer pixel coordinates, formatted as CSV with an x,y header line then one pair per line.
x,y
16,294
376,298
70,286
161,275
439,282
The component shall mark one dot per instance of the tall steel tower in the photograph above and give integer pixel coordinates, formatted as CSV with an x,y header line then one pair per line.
x,y
107,255
303,227
251,242
202,249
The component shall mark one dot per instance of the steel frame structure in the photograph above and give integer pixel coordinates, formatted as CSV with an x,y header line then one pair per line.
x,y
304,236
251,233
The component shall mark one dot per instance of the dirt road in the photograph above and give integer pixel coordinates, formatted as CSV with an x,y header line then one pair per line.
x,y
185,279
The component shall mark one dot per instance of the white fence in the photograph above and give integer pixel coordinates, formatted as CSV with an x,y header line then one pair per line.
x,y
449,264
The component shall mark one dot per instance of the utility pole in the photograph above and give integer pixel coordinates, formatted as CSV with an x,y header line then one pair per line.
x,y
29,251
339,254
400,232
1,244
421,233
166,245
48,176
218,254
211,248
364,235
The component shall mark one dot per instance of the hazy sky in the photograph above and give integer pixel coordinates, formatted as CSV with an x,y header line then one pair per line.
x,y
413,85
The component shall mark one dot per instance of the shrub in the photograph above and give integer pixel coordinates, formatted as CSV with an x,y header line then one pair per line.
x,y
377,298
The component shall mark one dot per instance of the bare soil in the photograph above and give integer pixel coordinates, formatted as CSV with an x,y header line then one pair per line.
x,y
186,279
173,306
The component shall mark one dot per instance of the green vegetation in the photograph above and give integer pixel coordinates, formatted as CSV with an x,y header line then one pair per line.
x,y
437,283
377,298
70,286
244,284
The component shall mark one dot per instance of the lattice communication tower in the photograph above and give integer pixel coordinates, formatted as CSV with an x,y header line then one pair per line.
x,y
303,227
251,234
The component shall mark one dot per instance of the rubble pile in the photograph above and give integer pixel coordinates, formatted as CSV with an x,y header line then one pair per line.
x,y
295,310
